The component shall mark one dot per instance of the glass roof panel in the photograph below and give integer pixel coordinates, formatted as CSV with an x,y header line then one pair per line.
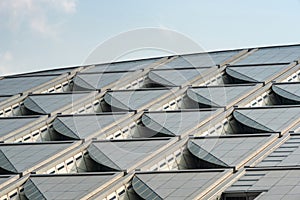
x,y
254,73
3,98
183,185
49,72
8,125
124,154
126,100
121,66
284,54
226,151
269,120
199,60
82,126
11,86
289,91
174,77
286,155
176,123
64,187
218,96
45,104
24,156
96,81
273,184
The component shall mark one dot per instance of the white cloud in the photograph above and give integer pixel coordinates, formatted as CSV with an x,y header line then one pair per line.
x,y
35,14
69,6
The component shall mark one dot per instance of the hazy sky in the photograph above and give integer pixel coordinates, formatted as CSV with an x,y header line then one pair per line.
x,y
44,34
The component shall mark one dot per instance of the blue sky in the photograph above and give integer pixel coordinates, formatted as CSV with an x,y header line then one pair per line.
x,y
45,34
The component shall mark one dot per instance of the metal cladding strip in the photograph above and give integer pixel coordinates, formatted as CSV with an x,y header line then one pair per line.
x,y
113,126
237,56
145,117
11,101
227,174
135,74
89,99
216,161
45,86
87,86
281,92
152,76
31,191
256,155
80,147
78,103
33,106
128,78
108,95
41,121
13,183
102,133
246,97
137,180
228,181
180,142
250,51
95,152
160,101
284,71
46,163
233,73
117,176
145,71
255,94
261,126
192,94
6,164
217,113
263,154
113,187
171,142
69,133
11,179
288,73
201,77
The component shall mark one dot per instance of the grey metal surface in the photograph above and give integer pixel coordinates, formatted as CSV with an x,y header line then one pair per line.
x,y
274,184
21,157
82,126
132,100
269,120
226,151
170,78
286,155
285,54
121,66
254,74
10,86
121,155
63,187
97,81
288,91
184,185
174,123
8,125
45,104
218,96
199,60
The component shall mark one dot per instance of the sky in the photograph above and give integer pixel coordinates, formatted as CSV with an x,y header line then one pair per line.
x,y
47,34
